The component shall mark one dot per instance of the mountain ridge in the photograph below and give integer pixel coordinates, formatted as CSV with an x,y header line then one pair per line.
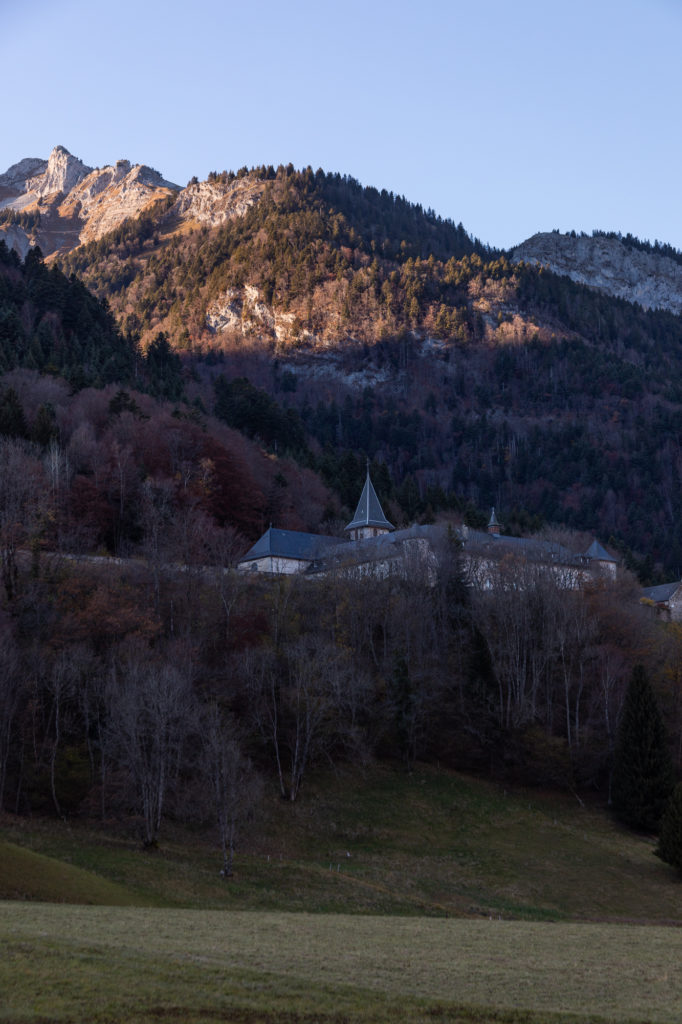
x,y
379,330
61,203
65,204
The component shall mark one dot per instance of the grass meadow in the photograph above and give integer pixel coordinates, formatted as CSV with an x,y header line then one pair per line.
x,y
74,963
377,897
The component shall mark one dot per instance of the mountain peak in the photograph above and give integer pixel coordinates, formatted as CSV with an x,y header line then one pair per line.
x,y
71,203
16,176
62,173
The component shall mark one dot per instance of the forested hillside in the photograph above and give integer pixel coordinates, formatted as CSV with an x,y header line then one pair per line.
x,y
388,332
335,322
52,324
365,328
96,436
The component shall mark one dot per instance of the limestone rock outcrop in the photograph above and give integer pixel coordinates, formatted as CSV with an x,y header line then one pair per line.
x,y
65,203
18,174
243,311
68,203
212,202
63,172
610,265
107,197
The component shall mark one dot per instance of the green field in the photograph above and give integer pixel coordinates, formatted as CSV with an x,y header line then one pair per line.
x,y
99,964
378,897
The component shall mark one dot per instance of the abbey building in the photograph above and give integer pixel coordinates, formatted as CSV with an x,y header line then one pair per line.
x,y
373,546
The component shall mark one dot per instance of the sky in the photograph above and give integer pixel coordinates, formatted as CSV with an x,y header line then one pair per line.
x,y
511,116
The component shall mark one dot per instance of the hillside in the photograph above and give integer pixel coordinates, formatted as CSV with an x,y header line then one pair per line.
x,y
476,381
380,329
373,841
54,325
280,256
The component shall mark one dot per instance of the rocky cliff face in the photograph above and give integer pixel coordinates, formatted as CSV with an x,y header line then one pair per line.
x,y
104,199
63,172
18,174
65,203
242,311
61,203
212,203
652,280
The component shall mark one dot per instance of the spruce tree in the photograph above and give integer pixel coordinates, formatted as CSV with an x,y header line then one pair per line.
x,y
670,839
642,769
12,420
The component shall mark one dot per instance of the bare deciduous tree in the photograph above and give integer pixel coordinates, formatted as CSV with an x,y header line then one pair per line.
x,y
304,703
10,690
234,785
151,712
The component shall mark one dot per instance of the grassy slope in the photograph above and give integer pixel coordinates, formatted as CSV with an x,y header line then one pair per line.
x,y
29,875
430,843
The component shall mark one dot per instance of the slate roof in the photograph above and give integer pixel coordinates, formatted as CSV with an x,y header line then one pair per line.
x,y
372,549
662,593
369,511
595,550
290,544
528,547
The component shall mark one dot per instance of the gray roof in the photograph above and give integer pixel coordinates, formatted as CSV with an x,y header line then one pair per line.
x,y
369,511
528,547
662,593
386,545
534,548
290,544
595,550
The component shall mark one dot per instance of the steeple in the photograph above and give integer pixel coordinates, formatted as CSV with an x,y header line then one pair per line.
x,y
369,519
493,525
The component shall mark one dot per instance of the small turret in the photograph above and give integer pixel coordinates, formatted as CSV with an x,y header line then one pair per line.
x,y
600,560
493,525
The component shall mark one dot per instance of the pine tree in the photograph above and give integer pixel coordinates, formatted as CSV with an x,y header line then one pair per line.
x,y
642,769
670,839
12,420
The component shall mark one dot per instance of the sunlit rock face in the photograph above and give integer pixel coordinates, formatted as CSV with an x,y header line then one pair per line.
x,y
62,173
213,202
61,203
18,174
243,310
652,280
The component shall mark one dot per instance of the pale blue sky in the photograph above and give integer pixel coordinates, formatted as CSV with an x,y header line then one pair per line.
x,y
513,116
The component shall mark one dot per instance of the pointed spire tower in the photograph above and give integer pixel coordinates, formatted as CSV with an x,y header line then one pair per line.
x,y
493,524
369,519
